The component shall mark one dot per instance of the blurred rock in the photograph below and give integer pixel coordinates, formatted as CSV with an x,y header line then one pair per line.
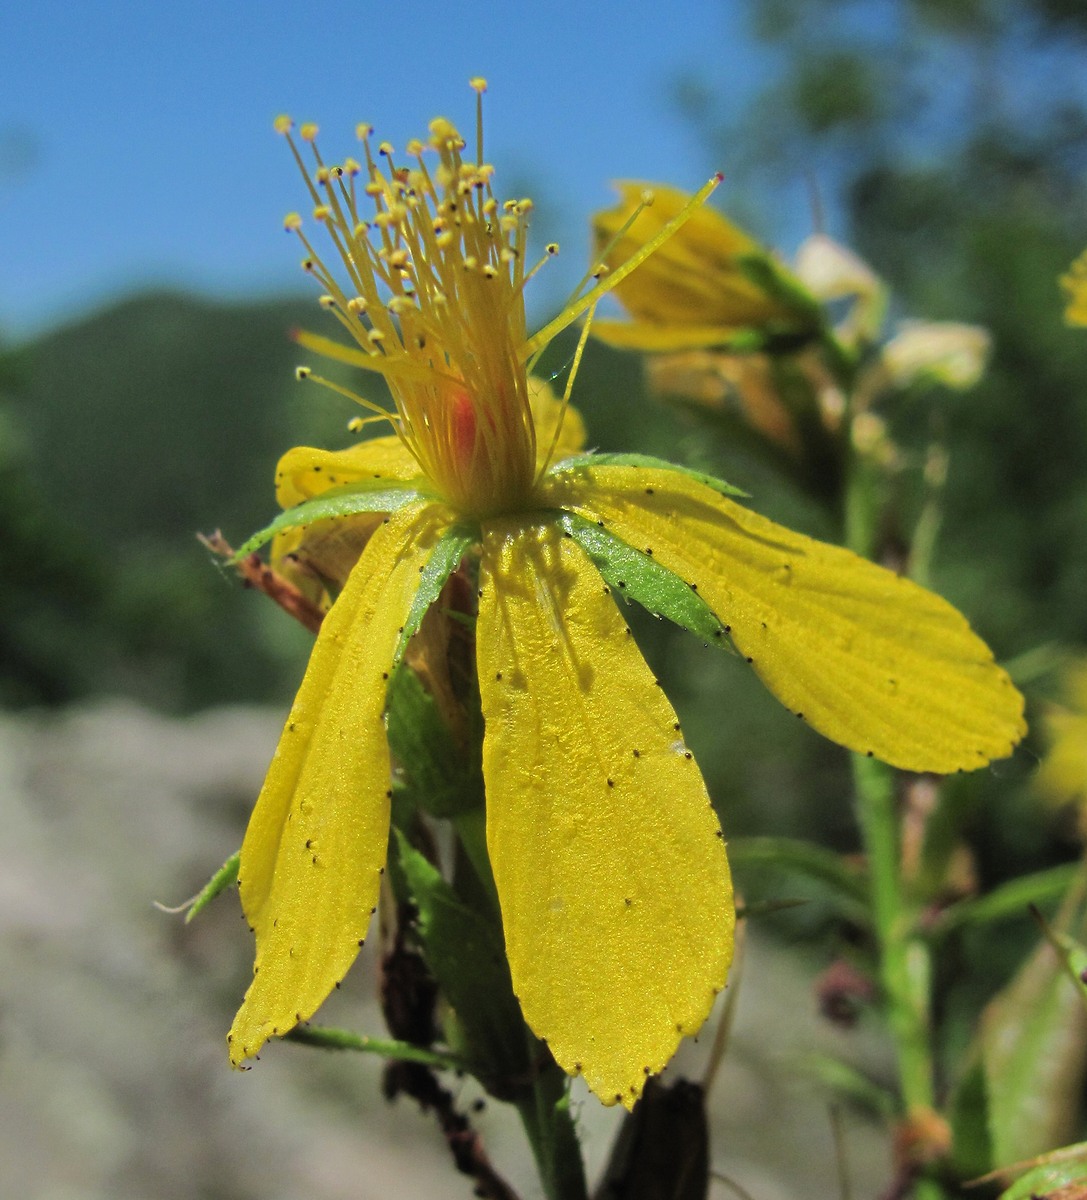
x,y
114,1082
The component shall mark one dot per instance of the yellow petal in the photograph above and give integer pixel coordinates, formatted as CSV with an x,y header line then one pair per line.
x,y
316,841
1074,284
612,875
305,472
693,279
657,338
869,659
320,556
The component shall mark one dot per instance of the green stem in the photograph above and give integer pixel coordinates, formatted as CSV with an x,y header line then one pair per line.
x,y
904,958
905,965
552,1136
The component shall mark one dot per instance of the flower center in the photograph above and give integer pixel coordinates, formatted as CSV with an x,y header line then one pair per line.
x,y
435,302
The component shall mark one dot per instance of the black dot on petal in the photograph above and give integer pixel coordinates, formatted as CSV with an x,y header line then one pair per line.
x,y
497,675
688,754
618,1097
870,753
362,942
649,551
750,659
611,783
627,901
637,754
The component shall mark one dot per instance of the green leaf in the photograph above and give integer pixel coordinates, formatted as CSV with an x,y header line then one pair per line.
x,y
1047,1181
1011,899
328,1038
801,858
436,774
442,563
647,460
1032,1053
466,956
637,576
1072,953
342,502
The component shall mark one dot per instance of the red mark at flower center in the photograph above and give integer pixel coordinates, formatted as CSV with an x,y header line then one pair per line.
x,y
463,426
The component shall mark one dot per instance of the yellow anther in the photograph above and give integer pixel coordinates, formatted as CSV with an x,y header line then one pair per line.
x,y
292,221
356,305
307,265
471,263
443,132
414,148
385,148
478,84
360,230
362,132
648,196
309,131
490,271
398,259
322,175
445,240
552,248
326,301
374,189
322,212
283,124
356,425
352,166
301,373
375,336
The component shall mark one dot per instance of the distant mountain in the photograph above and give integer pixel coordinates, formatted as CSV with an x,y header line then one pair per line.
x,y
128,432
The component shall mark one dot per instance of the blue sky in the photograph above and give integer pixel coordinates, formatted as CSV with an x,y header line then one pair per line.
x,y
136,145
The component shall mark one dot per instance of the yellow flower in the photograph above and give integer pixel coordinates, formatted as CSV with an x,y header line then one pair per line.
x,y
1075,286
1062,777
608,858
708,283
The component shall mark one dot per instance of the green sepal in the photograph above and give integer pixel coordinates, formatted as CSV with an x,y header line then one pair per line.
x,y
435,774
648,460
443,561
337,503
466,956
638,576
328,1038
226,875
783,286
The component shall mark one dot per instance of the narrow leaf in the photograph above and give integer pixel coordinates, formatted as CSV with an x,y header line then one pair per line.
x,y
336,503
467,958
443,561
636,576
